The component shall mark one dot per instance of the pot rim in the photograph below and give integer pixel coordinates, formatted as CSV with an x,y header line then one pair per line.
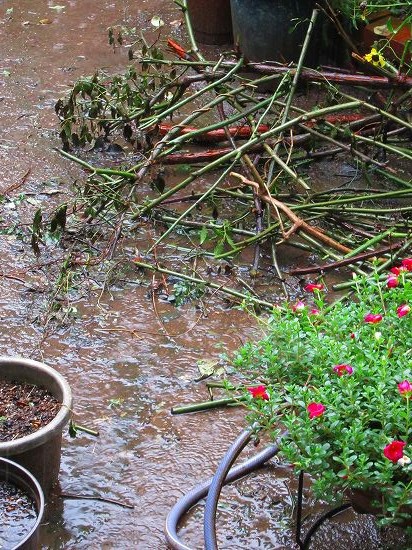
x,y
56,425
21,474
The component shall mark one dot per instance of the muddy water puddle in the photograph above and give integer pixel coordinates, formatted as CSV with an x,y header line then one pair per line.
x,y
125,372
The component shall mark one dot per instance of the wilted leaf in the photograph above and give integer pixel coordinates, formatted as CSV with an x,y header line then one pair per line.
x,y
157,22
206,367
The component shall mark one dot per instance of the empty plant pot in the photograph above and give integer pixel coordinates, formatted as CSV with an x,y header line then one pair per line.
x,y
21,507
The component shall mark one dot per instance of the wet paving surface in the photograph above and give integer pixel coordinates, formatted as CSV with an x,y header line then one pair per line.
x,y
125,373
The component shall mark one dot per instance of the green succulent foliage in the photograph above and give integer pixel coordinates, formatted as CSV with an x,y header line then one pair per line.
x,y
364,409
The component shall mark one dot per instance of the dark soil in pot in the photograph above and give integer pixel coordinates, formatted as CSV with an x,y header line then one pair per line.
x,y
24,408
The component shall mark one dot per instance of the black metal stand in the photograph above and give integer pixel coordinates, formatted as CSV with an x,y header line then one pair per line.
x,y
304,544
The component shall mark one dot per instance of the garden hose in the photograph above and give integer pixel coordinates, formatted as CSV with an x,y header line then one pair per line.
x,y
200,491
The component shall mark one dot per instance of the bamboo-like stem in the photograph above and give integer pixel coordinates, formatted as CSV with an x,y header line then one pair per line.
x,y
396,254
101,171
196,280
285,167
207,405
296,76
358,198
347,261
199,225
193,45
307,74
192,207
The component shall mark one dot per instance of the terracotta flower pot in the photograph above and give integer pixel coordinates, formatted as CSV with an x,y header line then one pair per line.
x,y
23,480
40,451
211,21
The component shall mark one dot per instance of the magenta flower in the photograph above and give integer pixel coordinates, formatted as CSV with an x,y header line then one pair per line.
x,y
392,281
342,369
394,451
315,409
311,287
405,388
298,307
373,318
259,392
407,264
402,310
397,270
314,311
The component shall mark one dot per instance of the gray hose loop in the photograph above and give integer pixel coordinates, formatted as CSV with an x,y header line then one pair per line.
x,y
215,488
220,479
200,491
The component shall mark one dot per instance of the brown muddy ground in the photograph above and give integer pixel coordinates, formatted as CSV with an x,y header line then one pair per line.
x,y
124,372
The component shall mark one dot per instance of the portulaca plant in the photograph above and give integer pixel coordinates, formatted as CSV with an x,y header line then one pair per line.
x,y
338,379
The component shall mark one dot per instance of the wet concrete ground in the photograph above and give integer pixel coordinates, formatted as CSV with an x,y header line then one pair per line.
x,y
124,372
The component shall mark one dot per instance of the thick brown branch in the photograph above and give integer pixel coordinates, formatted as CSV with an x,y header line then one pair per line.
x,y
297,223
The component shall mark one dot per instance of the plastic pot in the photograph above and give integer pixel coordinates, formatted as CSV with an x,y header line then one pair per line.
x,y
211,21
20,477
273,30
40,451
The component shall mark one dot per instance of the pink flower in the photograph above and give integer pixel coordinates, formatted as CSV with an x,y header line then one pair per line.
x,y
315,409
397,270
407,264
402,310
373,318
405,388
311,287
259,392
394,451
298,307
342,369
314,311
392,281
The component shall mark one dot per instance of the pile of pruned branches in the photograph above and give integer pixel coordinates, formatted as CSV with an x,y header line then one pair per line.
x,y
246,153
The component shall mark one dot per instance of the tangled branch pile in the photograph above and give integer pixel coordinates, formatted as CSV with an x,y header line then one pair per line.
x,y
247,154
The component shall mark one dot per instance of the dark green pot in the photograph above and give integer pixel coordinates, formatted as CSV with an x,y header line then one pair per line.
x,y
273,30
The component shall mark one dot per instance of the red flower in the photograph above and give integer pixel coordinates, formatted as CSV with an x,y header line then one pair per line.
x,y
392,281
299,306
373,318
342,369
259,392
352,335
407,264
311,287
402,310
394,451
398,270
314,311
405,388
315,409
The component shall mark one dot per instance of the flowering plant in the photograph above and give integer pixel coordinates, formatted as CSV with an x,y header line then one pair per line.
x,y
338,378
